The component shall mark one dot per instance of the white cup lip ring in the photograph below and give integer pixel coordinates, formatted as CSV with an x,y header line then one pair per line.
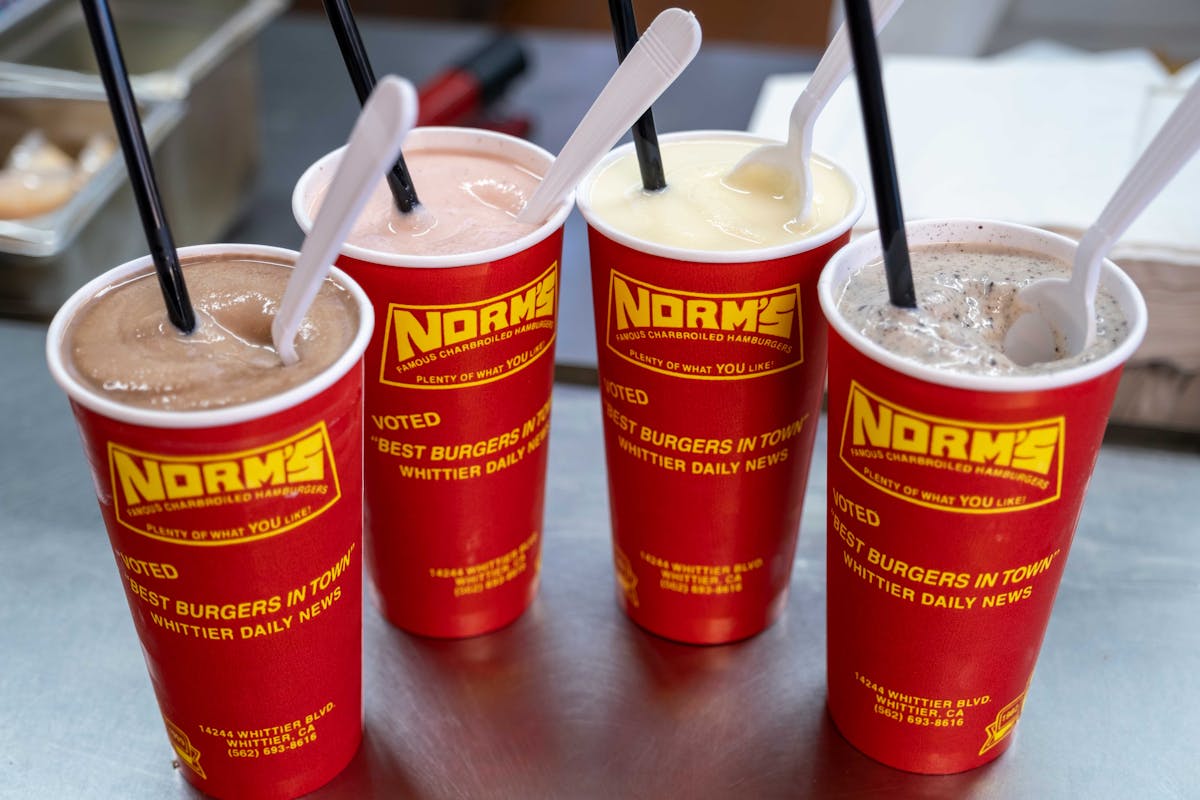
x,y
867,248
415,139
201,418
693,255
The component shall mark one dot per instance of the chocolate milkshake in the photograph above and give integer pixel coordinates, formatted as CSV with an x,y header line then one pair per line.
x,y
122,345
231,490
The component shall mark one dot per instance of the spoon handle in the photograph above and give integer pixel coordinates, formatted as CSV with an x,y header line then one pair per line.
x,y
834,66
831,70
1172,147
385,120
667,46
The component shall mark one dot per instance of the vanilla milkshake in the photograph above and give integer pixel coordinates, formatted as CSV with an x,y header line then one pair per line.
x,y
711,354
702,210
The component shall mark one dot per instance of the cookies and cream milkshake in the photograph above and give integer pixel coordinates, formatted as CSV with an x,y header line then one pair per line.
x,y
966,300
955,481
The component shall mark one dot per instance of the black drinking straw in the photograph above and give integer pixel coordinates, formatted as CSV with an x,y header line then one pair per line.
x,y
645,140
363,78
879,149
137,163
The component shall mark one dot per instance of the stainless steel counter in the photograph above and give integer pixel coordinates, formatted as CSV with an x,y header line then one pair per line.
x,y
572,701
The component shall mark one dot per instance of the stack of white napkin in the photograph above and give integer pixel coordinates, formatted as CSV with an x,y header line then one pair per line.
x,y
1041,135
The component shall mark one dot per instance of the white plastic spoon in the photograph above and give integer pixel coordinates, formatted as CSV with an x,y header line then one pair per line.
x,y
667,46
790,161
386,118
1068,306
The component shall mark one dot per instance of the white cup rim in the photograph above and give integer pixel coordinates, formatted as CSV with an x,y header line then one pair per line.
x,y
200,418
867,248
465,138
744,256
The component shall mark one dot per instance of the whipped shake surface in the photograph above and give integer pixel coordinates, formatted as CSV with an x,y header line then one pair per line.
x,y
468,202
966,301
122,346
702,209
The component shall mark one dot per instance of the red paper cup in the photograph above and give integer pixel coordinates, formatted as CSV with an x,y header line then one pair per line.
x,y
712,367
237,536
952,503
457,397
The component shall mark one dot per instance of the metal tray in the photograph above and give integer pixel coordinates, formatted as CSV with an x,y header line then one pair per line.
x,y
195,73
43,258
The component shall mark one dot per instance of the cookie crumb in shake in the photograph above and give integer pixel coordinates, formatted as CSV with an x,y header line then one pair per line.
x,y
966,301
967,474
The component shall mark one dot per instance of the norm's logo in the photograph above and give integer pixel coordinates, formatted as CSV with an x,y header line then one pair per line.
x,y
704,335
227,498
952,464
433,347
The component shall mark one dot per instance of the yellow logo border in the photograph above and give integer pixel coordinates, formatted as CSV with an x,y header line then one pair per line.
x,y
1059,421
387,334
188,754
328,447
792,287
1005,723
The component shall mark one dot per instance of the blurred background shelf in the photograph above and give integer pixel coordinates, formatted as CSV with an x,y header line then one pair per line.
x,y
932,27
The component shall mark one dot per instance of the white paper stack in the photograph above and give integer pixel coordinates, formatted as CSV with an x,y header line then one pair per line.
x,y
1042,135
